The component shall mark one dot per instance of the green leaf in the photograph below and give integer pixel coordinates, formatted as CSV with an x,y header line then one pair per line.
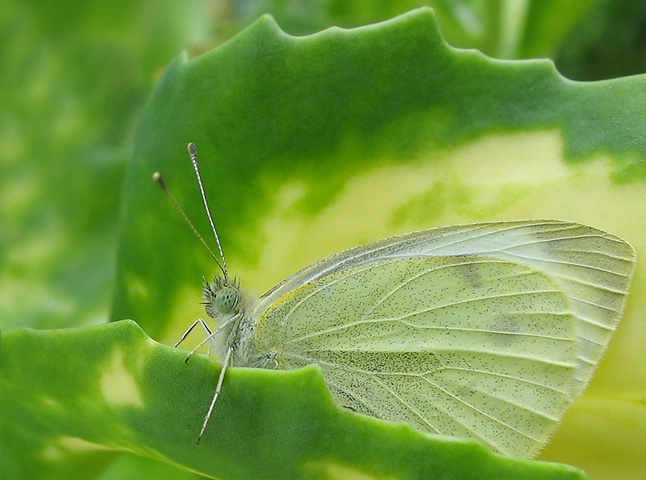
x,y
310,145
295,134
120,391
531,28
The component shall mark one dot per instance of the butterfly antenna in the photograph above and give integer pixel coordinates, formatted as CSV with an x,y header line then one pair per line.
x,y
192,151
159,180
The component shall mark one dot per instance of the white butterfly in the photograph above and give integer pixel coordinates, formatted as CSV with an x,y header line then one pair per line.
x,y
486,330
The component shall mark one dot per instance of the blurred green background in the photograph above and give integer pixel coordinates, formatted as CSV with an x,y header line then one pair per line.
x,y
74,77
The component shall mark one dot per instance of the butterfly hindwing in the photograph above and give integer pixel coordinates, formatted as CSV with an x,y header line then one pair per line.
x,y
443,343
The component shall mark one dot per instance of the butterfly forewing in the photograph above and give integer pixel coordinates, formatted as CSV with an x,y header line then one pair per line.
x,y
483,330
591,267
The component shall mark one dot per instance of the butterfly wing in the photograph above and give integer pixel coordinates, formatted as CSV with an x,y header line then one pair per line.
x,y
456,345
593,269
485,330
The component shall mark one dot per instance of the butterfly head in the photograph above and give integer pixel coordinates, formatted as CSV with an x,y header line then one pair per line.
x,y
221,297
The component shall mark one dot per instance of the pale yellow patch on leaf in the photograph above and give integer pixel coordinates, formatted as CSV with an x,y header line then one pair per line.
x,y
502,177
118,386
334,471
62,447
137,288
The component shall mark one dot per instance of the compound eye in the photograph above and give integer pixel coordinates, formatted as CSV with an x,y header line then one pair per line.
x,y
226,299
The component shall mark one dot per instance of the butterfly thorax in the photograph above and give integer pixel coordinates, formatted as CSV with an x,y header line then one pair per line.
x,y
231,308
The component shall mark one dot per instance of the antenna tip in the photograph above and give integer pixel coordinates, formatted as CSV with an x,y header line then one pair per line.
x,y
192,150
158,179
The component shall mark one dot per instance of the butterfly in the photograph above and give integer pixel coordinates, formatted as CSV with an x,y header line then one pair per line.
x,y
487,330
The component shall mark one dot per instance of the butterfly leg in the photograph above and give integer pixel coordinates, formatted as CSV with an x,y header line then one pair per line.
x,y
206,328
190,329
209,336
218,388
